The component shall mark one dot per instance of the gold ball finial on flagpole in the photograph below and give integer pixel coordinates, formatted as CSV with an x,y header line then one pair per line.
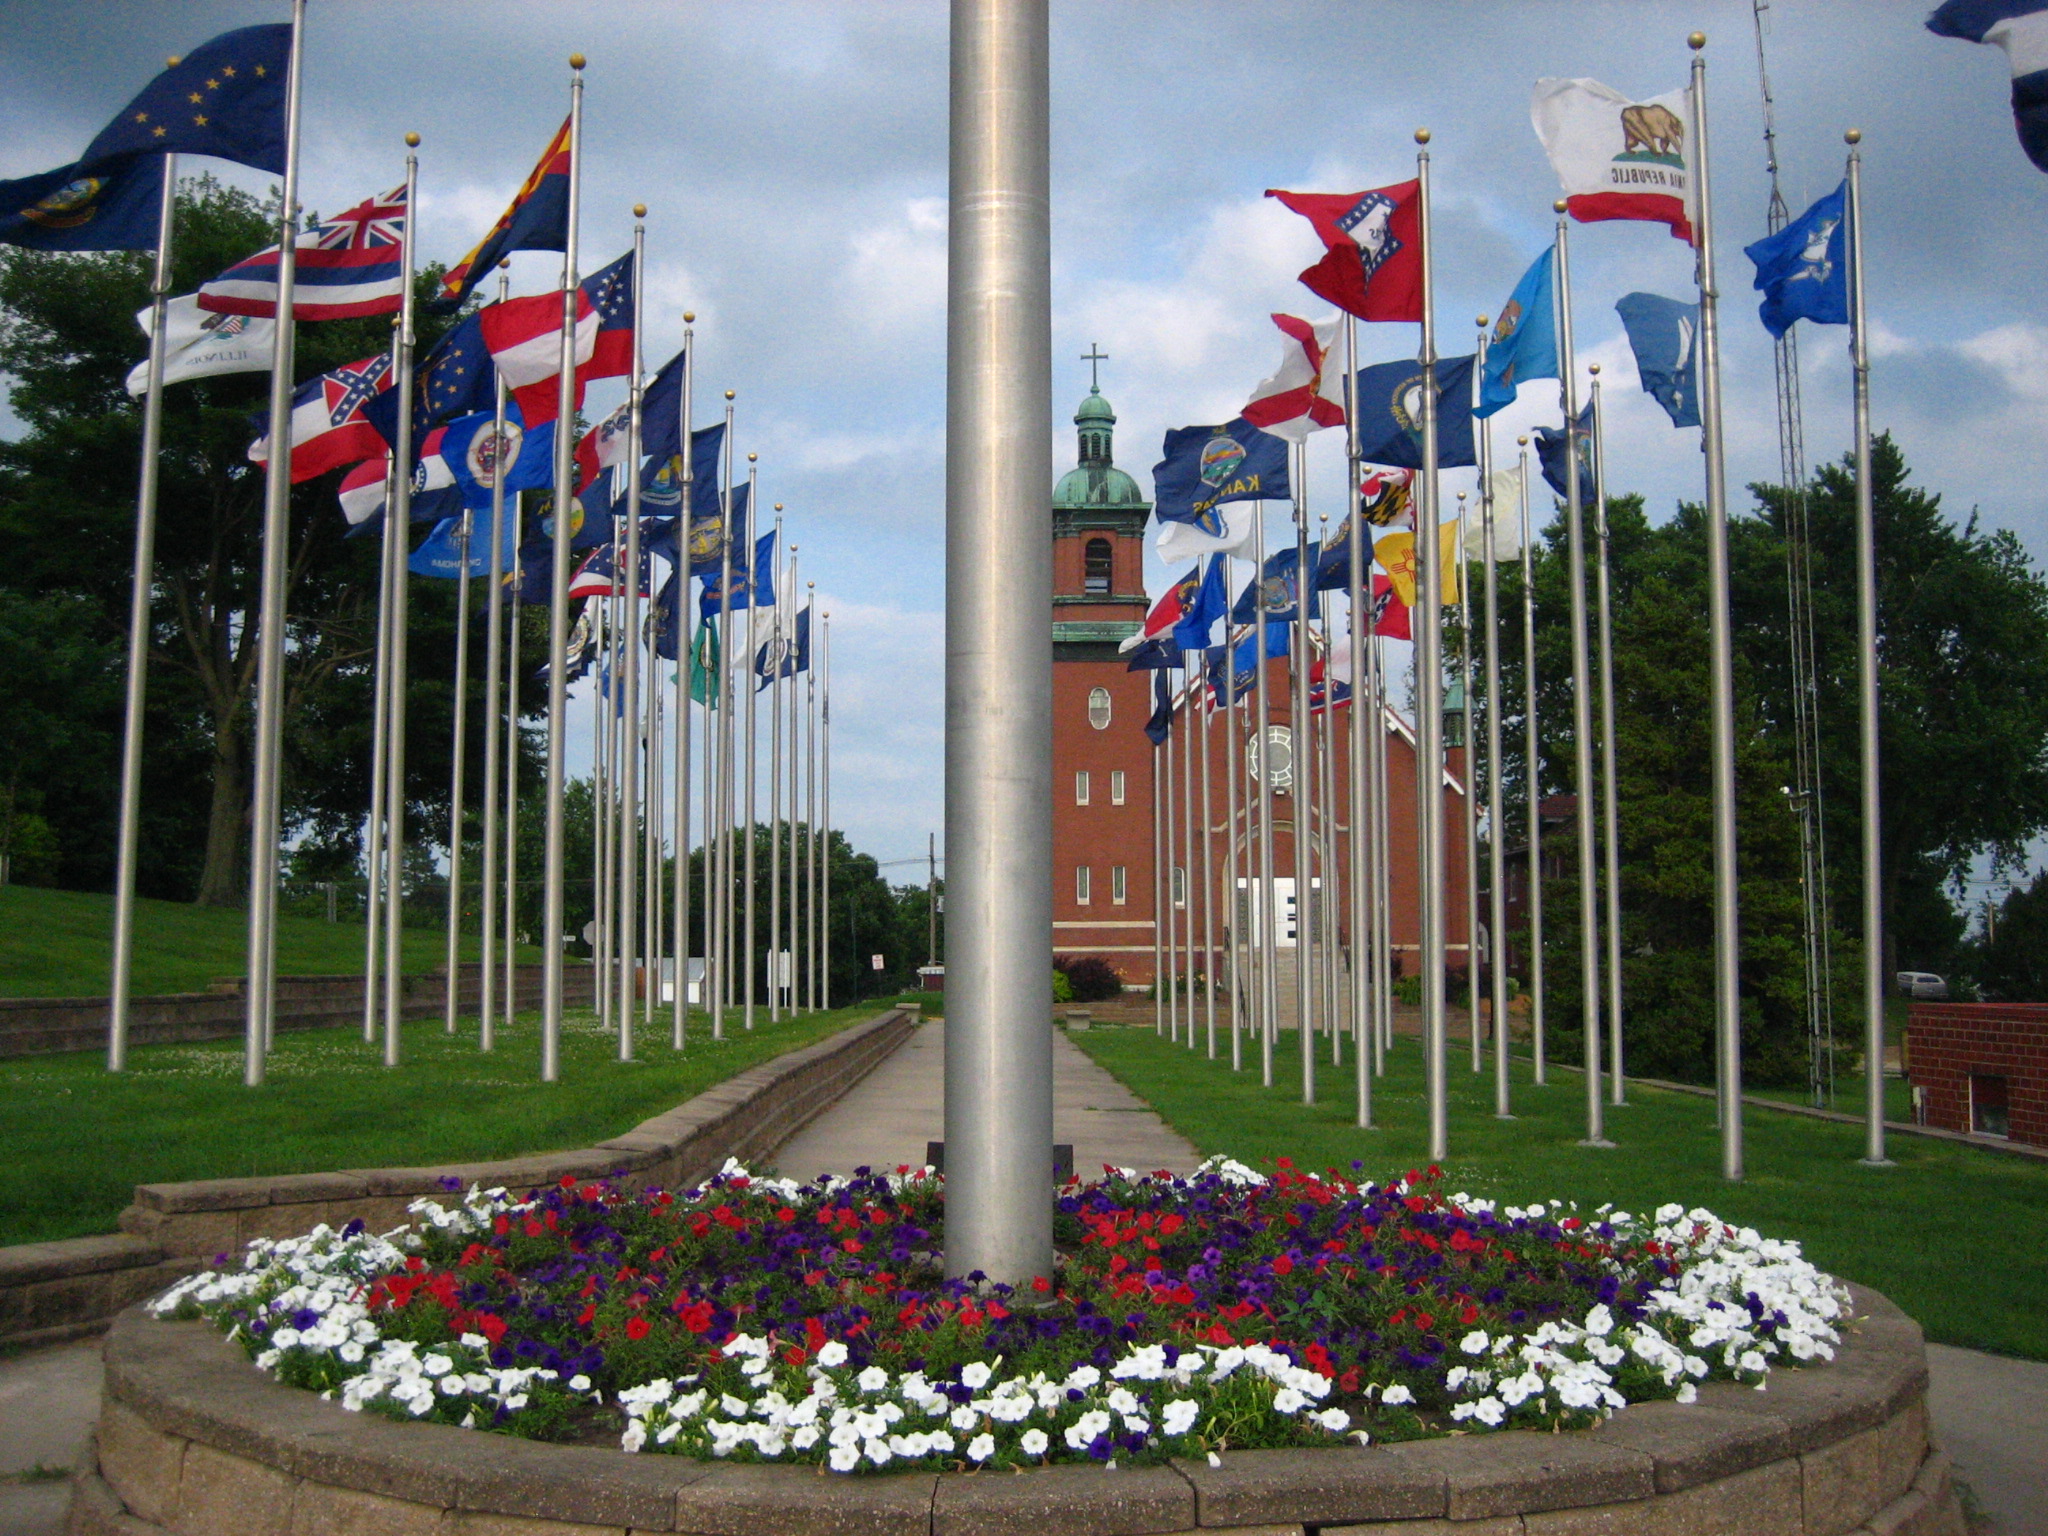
x,y
1522,441
639,210
1593,369
689,317
575,61
1481,322
730,393
753,458
1697,41
1559,206
1422,135
412,141
504,263
1853,136
778,506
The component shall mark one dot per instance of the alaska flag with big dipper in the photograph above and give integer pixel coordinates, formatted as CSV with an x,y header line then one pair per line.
x,y
1664,334
1803,271
1389,397
1204,467
114,209
2020,27
225,98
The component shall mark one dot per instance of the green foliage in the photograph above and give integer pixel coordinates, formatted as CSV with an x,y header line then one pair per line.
x,y
1062,989
2012,964
1090,978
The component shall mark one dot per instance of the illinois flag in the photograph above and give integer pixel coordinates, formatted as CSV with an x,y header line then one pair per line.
x,y
1618,159
1372,261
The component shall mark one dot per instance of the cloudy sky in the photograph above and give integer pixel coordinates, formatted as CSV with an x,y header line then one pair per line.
x,y
793,158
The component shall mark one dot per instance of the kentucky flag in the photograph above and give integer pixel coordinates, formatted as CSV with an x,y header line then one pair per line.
x,y
114,209
537,220
1663,333
1524,344
225,98
1390,413
1802,270
1207,466
2020,27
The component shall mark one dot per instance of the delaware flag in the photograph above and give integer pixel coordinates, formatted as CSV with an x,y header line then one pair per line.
x,y
2020,27
1524,342
538,220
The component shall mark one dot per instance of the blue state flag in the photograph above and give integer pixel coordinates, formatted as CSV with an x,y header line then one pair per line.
x,y
1162,710
2020,27
1211,602
1204,467
1550,451
1664,334
1156,654
661,413
455,379
744,585
225,98
1803,270
474,453
1275,589
783,655
440,552
1243,675
113,209
1390,413
1524,344
1333,564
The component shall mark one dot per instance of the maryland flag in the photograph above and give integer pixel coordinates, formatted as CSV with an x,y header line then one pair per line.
x,y
538,220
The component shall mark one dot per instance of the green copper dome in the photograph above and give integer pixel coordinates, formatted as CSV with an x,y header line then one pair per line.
x,y
1096,481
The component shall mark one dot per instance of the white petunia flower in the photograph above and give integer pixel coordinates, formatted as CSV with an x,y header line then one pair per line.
x,y
1033,1442
981,1447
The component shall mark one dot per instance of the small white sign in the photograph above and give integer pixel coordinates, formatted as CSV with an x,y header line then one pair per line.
x,y
876,961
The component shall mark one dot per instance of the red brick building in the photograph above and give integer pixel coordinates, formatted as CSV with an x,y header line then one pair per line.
x,y
1980,1068
1103,866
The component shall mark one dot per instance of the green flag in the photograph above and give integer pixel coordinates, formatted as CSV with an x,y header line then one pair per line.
x,y
704,667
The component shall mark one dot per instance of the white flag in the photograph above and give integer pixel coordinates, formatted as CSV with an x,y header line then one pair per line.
x,y
1184,541
1507,518
1618,159
198,345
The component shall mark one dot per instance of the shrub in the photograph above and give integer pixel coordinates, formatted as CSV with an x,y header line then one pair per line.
x,y
1062,989
1092,978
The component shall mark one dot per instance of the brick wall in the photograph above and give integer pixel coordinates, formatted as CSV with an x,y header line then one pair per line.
x,y
1949,1043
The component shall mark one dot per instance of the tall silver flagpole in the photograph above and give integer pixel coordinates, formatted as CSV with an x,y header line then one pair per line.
x,y
1720,644
1208,881
1496,858
1582,697
515,623
1429,687
785,630
1380,926
750,768
824,785
603,806
1866,687
811,823
277,520
636,957
714,767
1268,992
1610,809
1172,898
451,991
796,758
1233,922
685,655
1471,777
400,526
998,662
1359,544
1532,775
140,628
1304,776
494,674
825,788
1326,838
1187,840
1161,882
388,556
558,611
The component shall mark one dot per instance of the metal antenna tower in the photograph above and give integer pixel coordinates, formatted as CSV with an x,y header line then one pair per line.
x,y
1805,795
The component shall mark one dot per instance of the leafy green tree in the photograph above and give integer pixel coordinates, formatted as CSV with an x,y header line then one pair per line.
x,y
2011,961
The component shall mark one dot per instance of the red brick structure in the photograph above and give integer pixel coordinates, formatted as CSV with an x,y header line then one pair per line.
x,y
1103,764
1980,1068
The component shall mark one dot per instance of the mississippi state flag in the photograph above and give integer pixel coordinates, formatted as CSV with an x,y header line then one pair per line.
x,y
1372,266
1306,392
1618,159
347,267
329,428
525,339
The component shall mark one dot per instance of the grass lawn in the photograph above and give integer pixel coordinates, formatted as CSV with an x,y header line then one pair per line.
x,y
79,1139
59,944
1955,1235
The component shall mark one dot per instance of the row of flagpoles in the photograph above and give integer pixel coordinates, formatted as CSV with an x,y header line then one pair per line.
x,y
489,410
1617,159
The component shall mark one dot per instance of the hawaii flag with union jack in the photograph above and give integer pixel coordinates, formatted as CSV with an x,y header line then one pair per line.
x,y
351,265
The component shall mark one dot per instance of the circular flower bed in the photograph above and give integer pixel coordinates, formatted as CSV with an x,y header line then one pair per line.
x,y
761,1319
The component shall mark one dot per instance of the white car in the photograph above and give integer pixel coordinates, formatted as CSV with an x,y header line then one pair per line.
x,y
1923,984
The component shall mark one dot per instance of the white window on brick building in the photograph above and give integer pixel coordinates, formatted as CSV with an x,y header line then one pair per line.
x,y
1081,787
1081,885
1117,884
1098,708
1116,786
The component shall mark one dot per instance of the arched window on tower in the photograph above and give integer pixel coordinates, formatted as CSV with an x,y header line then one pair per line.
x,y
1097,568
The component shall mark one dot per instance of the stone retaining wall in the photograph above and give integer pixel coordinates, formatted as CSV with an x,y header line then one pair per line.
x,y
41,1026
60,1290
194,1441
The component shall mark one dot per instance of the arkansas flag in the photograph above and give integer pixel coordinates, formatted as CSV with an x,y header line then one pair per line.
x,y
1618,159
525,339
329,428
1373,265
348,267
1307,391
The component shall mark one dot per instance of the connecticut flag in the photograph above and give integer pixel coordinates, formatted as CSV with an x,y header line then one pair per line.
x,y
347,267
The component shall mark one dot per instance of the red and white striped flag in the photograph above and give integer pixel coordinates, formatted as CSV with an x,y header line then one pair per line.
x,y
352,265
1307,391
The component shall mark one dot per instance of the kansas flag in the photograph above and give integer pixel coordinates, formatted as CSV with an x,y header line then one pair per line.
x,y
114,209
1205,467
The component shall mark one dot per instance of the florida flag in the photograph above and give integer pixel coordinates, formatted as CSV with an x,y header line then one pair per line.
x,y
1372,263
347,267
1306,392
525,339
329,428
1618,159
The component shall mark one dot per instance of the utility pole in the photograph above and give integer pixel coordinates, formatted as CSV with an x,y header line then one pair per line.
x,y
931,899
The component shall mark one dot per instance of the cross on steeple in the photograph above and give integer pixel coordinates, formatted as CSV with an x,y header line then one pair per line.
x,y
1092,357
